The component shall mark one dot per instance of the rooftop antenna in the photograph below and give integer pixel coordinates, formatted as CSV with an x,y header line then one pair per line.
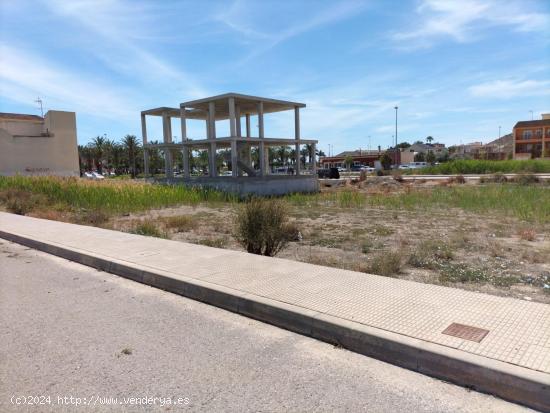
x,y
39,101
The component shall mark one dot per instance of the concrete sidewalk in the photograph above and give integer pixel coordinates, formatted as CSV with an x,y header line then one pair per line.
x,y
398,321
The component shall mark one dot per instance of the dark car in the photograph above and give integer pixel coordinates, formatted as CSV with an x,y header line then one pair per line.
x,y
330,173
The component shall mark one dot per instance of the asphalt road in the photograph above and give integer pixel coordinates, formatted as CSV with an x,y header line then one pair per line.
x,y
67,330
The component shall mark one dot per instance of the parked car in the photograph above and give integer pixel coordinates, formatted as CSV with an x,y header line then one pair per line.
x,y
404,166
87,175
328,173
97,175
226,173
368,169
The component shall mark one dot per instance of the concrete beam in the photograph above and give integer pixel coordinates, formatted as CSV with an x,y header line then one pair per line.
x,y
248,135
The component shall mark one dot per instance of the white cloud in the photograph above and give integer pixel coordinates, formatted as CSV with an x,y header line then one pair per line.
x,y
505,89
462,21
117,29
242,18
24,76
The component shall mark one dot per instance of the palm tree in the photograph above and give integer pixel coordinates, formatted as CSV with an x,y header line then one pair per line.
x,y
429,139
282,154
131,145
98,144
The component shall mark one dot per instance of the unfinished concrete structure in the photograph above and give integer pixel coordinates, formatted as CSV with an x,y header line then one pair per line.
x,y
245,177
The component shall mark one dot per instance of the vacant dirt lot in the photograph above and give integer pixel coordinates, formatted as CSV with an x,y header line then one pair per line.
x,y
480,252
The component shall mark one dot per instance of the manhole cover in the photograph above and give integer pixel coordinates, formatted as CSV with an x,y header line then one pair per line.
x,y
465,332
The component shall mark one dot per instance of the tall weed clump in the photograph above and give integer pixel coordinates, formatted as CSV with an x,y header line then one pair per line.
x,y
262,226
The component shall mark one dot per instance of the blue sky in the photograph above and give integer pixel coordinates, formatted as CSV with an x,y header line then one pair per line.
x,y
457,69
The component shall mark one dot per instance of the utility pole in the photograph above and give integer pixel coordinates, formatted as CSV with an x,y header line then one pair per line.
x,y
531,114
39,101
499,132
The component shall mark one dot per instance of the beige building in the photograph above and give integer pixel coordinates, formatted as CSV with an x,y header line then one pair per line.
x,y
32,145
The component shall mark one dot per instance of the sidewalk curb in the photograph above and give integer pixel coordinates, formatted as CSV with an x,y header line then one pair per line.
x,y
517,384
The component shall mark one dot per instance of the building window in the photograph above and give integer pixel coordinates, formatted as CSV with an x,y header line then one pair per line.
x,y
538,132
527,134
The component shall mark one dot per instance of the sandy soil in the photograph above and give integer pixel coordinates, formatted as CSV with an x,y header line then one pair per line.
x,y
492,248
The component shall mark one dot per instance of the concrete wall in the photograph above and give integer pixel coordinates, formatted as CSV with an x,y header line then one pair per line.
x,y
48,147
262,186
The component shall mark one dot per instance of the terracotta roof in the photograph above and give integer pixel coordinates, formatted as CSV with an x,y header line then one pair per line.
x,y
20,116
532,123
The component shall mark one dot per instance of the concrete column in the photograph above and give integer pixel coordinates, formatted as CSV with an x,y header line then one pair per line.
x,y
238,119
314,163
297,137
144,140
261,146
167,137
234,159
248,135
232,120
185,150
212,129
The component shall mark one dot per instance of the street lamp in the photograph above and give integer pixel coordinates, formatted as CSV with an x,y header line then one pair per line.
x,y
396,161
499,132
531,114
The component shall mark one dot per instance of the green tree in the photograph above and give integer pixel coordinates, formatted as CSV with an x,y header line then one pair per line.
x,y
131,145
403,145
430,157
429,139
420,157
348,160
98,144
386,161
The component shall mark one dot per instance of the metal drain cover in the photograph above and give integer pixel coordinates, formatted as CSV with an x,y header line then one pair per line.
x,y
466,332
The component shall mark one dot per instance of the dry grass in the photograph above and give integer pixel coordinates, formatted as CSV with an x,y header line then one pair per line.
x,y
387,263
180,223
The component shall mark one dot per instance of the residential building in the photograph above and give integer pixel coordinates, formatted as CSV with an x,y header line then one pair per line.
x,y
532,138
35,145
364,158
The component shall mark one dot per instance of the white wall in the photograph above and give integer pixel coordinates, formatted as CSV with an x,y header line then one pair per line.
x,y
31,153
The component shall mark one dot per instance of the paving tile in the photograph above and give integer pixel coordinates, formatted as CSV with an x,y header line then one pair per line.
x,y
519,331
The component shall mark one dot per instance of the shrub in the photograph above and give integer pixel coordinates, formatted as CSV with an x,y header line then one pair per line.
x,y
497,178
19,201
94,217
430,254
148,229
526,179
458,179
397,176
213,242
453,273
261,226
527,234
386,264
